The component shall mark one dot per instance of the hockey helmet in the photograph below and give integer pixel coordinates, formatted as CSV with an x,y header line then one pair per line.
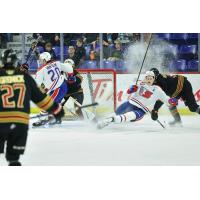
x,y
8,58
70,61
155,71
45,56
149,78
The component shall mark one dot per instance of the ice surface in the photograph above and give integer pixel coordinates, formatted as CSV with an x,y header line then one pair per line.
x,y
141,143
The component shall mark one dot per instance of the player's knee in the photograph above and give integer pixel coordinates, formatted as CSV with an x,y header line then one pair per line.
x,y
123,108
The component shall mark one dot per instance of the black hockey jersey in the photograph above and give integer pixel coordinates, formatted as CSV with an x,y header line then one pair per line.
x,y
75,87
17,89
171,84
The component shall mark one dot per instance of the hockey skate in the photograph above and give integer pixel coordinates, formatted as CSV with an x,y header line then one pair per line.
x,y
54,121
40,122
175,123
104,123
14,163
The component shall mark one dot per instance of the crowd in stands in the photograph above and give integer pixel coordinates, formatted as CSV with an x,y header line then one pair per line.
x,y
84,49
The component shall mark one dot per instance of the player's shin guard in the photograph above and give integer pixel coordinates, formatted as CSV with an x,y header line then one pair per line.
x,y
127,117
175,114
198,110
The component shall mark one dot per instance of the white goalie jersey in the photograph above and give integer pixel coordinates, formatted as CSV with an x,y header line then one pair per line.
x,y
147,96
50,74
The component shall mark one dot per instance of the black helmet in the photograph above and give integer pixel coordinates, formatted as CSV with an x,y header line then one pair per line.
x,y
9,58
155,71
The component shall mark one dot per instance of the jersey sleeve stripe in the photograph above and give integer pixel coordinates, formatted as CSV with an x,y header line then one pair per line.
x,y
46,103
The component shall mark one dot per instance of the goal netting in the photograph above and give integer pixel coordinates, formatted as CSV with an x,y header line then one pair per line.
x,y
99,85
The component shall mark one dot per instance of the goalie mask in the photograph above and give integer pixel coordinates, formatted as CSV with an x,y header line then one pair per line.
x,y
149,78
8,59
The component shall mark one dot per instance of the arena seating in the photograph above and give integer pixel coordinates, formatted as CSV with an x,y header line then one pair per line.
x,y
192,66
178,66
184,47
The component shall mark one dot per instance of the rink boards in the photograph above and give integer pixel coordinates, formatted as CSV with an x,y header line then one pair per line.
x,y
125,80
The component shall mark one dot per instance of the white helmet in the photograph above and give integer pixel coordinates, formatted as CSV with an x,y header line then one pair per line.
x,y
149,78
149,73
45,56
69,61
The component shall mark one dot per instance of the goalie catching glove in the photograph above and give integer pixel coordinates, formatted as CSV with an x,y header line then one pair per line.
x,y
71,78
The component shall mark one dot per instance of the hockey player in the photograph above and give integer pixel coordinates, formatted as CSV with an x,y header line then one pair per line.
x,y
74,89
17,89
176,86
141,96
50,78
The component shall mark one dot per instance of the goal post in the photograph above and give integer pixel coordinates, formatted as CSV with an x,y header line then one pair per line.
x,y
99,85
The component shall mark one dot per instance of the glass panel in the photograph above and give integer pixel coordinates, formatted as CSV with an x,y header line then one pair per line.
x,y
125,52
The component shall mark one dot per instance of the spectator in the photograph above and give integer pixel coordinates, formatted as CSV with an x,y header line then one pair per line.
x,y
73,56
95,49
48,48
89,37
33,53
56,40
70,38
80,50
109,38
43,38
117,54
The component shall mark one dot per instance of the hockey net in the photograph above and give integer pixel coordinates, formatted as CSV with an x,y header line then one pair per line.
x,y
99,85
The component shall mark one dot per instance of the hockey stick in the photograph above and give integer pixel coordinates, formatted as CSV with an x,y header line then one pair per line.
x,y
84,106
144,59
161,124
68,95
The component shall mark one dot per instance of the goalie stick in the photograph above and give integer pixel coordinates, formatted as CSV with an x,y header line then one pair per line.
x,y
84,106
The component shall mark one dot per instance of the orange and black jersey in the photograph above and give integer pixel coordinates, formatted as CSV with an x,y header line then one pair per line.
x,y
172,85
75,87
17,89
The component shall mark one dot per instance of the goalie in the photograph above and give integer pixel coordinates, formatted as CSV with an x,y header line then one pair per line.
x,y
143,95
75,90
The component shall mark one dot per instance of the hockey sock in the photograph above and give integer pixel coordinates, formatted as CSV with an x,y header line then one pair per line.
x,y
127,117
198,110
175,113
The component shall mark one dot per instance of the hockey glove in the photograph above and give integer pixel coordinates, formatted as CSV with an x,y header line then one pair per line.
x,y
173,101
24,67
132,89
58,113
71,78
154,115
